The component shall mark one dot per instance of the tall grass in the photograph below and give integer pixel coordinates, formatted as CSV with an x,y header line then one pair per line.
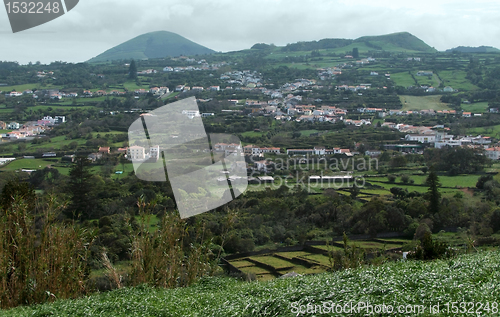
x,y
40,259
168,257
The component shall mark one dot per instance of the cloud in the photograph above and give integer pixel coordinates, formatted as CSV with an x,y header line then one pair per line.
x,y
224,25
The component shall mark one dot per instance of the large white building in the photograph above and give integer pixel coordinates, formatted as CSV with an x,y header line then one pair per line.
x,y
421,138
255,150
136,153
443,139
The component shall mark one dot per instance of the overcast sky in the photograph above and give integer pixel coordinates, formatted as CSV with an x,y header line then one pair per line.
x,y
94,26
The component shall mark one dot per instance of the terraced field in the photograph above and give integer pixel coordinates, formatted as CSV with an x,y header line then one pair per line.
x,y
311,260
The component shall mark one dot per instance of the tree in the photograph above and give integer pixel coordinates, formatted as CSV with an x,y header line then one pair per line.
x,y
80,189
433,194
391,178
398,161
405,178
482,180
355,52
132,70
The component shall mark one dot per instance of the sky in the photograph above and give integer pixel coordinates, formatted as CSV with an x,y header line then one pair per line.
x,y
94,26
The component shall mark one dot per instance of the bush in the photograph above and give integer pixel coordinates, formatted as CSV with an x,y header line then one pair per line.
x,y
430,249
405,178
391,178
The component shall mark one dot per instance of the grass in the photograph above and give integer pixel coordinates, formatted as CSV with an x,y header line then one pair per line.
x,y
291,255
308,132
456,79
478,107
403,79
26,164
423,103
320,258
132,86
254,270
467,278
493,131
23,87
328,247
241,263
450,181
251,134
376,245
275,262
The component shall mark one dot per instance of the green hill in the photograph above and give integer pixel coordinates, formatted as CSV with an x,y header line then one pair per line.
x,y
396,42
469,49
467,278
152,45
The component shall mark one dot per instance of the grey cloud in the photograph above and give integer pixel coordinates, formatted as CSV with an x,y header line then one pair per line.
x,y
224,25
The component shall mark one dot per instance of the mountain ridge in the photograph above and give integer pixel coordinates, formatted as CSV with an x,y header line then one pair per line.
x,y
400,41
474,49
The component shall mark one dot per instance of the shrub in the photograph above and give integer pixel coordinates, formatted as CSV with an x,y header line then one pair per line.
x,y
430,249
405,178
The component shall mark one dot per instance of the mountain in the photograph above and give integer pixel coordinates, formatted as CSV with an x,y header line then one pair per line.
x,y
469,49
395,42
152,45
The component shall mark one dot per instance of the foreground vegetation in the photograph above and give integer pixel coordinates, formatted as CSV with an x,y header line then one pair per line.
x,y
467,278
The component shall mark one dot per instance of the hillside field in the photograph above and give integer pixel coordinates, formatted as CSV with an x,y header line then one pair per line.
x,y
410,285
423,103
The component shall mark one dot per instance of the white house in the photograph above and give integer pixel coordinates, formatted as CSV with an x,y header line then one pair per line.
x,y
13,126
14,94
154,152
493,153
136,153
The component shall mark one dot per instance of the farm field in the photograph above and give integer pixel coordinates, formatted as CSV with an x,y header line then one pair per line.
x,y
402,79
30,164
423,103
456,80
432,81
285,262
412,188
23,87
478,107
308,132
474,277
492,131
446,181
